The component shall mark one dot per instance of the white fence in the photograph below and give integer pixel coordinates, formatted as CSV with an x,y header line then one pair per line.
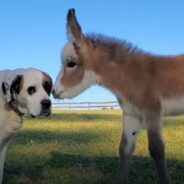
x,y
87,105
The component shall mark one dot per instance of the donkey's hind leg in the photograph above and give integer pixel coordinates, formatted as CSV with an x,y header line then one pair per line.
x,y
131,129
156,146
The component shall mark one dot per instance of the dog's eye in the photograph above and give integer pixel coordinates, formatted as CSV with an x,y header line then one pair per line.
x,y
31,90
70,64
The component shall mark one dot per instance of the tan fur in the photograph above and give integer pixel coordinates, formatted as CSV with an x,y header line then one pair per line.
x,y
139,74
76,77
147,87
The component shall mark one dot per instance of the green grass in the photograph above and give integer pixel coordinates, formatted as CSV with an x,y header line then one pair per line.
x,y
81,147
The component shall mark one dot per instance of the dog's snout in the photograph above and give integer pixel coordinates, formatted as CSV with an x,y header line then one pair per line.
x,y
46,103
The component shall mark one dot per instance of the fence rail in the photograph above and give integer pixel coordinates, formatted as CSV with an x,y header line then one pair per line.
x,y
87,105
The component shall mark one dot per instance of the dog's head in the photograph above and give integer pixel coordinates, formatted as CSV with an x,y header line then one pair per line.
x,y
29,92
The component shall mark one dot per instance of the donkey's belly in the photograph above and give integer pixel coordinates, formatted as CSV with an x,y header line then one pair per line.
x,y
173,107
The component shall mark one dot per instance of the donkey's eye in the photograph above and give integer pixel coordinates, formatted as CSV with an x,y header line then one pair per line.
x,y
71,64
31,90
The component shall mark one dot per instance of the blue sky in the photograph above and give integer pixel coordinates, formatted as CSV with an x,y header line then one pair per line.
x,y
32,32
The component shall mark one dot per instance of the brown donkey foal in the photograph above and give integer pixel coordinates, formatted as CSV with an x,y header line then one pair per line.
x,y
147,87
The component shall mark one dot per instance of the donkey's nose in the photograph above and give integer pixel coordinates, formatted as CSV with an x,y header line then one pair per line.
x,y
54,93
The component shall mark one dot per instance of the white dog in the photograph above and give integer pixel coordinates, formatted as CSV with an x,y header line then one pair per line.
x,y
23,92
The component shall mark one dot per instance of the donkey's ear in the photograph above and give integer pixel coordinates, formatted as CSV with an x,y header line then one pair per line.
x,y
74,31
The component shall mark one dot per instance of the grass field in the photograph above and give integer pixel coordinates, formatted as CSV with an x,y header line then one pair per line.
x,y
81,147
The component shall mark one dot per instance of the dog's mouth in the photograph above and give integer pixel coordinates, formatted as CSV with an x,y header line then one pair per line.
x,y
33,116
45,113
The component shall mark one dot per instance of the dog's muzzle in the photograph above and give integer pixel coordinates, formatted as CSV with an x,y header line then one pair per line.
x,y
46,107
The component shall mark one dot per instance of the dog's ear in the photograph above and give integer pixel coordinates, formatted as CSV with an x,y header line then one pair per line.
x,y
74,31
6,91
16,85
9,88
47,83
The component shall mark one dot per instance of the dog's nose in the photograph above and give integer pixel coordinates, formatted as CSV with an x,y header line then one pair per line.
x,y
46,103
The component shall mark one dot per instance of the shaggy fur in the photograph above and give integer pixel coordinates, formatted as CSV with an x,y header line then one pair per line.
x,y
146,85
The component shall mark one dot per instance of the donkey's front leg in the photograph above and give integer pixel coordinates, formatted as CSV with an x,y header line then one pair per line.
x,y
156,146
131,129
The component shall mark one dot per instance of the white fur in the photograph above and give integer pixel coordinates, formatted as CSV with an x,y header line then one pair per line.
x,y
132,127
68,51
10,122
173,106
30,104
89,78
133,124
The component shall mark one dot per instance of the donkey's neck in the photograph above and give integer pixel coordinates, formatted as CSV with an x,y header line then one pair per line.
x,y
123,69
109,75
110,57
134,75
115,65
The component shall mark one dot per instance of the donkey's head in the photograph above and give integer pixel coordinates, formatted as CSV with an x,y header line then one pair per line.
x,y
76,73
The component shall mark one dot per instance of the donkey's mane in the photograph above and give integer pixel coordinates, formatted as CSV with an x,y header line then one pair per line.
x,y
109,43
